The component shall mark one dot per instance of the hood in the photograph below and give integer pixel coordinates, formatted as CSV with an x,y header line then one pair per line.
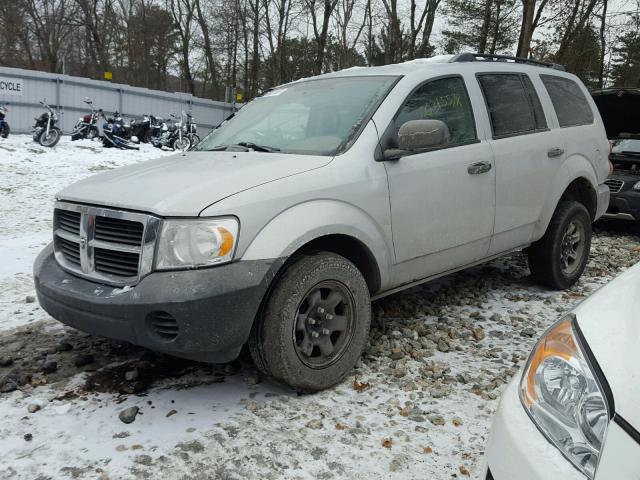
x,y
619,109
610,322
183,185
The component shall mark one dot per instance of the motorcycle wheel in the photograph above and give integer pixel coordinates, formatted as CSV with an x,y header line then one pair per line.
x,y
129,146
52,139
5,130
182,145
195,140
93,133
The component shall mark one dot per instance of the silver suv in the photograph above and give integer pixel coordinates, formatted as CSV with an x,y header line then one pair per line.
x,y
322,195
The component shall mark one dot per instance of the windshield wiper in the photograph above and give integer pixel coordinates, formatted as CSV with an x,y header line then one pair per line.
x,y
258,148
245,146
626,152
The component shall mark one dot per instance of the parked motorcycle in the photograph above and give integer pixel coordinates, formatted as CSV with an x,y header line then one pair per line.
x,y
141,129
87,125
4,125
45,131
191,130
116,133
157,126
173,136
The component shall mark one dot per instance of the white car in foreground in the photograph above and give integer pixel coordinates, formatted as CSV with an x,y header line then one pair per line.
x,y
574,412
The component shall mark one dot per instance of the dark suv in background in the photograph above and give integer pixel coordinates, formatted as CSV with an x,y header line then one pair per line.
x,y
620,111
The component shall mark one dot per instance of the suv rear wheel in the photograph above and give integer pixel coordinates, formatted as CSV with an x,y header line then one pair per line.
x,y
558,259
315,323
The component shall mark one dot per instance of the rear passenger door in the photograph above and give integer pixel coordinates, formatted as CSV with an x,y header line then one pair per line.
x,y
527,155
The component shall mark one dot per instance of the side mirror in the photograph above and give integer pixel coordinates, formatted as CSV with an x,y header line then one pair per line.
x,y
417,135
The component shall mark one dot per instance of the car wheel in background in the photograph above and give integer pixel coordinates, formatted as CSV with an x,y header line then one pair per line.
x,y
315,323
558,259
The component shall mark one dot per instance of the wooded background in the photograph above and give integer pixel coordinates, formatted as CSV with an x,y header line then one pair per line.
x,y
208,47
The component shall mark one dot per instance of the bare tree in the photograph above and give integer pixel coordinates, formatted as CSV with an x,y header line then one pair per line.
x,y
183,12
203,22
531,15
50,27
421,24
320,29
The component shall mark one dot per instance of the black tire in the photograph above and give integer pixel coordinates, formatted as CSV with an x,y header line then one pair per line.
x,y
5,130
54,137
550,258
276,342
181,145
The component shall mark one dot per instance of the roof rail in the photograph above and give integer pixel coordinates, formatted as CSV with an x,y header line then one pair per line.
x,y
482,57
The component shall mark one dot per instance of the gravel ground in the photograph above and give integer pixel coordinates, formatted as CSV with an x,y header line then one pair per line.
x,y
418,405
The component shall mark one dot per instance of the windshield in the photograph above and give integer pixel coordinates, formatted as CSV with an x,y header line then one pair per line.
x,y
626,145
317,117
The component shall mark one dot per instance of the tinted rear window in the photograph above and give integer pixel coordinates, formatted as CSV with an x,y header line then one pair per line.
x,y
568,100
513,104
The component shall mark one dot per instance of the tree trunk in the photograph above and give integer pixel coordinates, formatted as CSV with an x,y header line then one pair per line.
x,y
603,42
484,30
526,28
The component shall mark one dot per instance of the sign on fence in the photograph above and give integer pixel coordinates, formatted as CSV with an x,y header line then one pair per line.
x,y
11,87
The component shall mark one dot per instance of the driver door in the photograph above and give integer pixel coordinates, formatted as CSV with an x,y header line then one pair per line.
x,y
442,200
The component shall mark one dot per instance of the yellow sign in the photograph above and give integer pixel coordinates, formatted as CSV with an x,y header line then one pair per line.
x,y
239,97
108,75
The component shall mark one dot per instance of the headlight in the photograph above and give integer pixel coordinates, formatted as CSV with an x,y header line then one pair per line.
x,y
637,186
196,243
564,398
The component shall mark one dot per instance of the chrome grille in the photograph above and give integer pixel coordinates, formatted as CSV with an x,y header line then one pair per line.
x,y
119,231
70,250
68,221
109,246
123,264
614,185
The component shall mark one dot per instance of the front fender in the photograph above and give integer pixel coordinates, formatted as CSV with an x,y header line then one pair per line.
x,y
299,224
573,168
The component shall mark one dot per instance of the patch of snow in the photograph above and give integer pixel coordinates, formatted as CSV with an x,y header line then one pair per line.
x,y
30,175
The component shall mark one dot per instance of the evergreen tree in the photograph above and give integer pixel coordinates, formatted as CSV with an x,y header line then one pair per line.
x,y
483,26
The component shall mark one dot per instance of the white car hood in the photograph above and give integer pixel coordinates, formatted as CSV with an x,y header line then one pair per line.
x,y
183,185
610,322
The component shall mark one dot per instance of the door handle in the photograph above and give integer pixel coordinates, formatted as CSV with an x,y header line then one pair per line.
x,y
555,152
479,167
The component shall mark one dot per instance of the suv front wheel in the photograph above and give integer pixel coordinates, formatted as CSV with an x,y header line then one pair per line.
x,y
558,259
315,323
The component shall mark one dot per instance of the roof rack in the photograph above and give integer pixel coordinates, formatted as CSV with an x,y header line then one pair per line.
x,y
482,57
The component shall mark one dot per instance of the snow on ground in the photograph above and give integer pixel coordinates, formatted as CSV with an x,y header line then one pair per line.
x,y
30,176
419,404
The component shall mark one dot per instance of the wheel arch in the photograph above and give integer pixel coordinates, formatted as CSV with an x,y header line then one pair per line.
x,y
326,225
576,181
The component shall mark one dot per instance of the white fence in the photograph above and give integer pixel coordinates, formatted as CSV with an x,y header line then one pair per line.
x,y
23,89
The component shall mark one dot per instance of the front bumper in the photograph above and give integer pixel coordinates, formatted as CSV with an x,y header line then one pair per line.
x,y
517,449
203,314
624,205
604,197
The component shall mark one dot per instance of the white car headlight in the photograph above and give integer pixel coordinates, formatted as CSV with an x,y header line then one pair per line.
x,y
564,397
196,243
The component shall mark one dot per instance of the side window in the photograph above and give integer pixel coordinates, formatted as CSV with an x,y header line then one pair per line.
x,y
513,104
568,100
445,99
